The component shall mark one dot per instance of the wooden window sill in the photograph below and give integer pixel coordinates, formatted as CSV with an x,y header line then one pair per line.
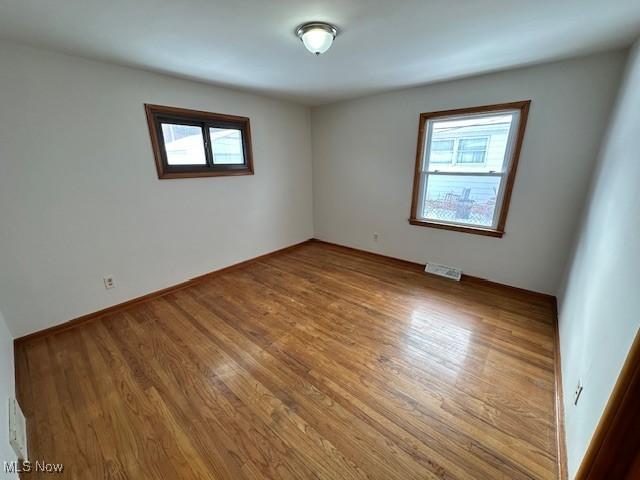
x,y
488,232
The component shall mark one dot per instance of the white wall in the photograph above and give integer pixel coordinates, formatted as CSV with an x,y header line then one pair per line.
x,y
7,391
364,154
599,303
80,198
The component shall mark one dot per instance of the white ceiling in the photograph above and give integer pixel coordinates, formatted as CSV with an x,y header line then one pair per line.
x,y
382,44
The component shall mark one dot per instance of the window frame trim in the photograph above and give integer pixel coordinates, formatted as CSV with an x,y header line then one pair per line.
x,y
158,114
510,173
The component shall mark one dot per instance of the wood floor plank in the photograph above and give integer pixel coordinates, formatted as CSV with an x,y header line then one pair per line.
x,y
438,358
410,390
290,387
320,363
245,436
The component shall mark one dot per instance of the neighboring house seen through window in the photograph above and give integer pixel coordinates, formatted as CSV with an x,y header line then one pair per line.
x,y
459,150
465,167
472,150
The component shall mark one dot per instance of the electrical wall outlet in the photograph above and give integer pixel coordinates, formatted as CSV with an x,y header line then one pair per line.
x,y
376,237
109,282
576,394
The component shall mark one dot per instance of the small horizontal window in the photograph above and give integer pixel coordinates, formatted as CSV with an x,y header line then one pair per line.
x,y
465,167
191,143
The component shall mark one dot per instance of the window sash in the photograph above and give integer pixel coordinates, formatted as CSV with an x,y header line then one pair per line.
x,y
424,182
163,141
208,146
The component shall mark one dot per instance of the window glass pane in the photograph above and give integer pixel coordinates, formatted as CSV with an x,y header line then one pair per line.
x,y
479,142
441,151
226,144
461,199
184,144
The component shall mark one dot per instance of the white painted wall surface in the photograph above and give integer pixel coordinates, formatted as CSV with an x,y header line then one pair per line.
x,y
7,391
80,198
600,301
364,154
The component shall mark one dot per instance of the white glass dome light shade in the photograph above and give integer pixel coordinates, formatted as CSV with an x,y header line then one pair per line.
x,y
317,37
317,41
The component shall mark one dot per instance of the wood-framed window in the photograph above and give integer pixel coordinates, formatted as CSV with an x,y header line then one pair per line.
x,y
192,143
465,168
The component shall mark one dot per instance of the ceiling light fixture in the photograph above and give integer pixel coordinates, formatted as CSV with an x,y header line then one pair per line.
x,y
317,36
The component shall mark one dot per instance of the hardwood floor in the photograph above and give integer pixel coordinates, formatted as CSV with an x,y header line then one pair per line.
x,y
319,362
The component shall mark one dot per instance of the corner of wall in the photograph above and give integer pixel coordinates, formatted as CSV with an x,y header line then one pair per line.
x,y
314,171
